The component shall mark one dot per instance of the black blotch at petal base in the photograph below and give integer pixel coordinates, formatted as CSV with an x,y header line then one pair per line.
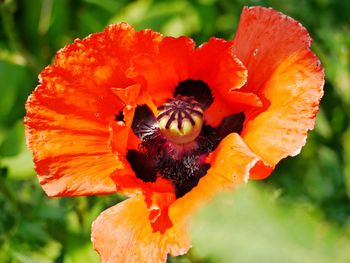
x,y
230,124
143,166
144,122
183,187
197,89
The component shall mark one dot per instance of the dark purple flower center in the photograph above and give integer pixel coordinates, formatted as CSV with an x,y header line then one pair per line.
x,y
175,144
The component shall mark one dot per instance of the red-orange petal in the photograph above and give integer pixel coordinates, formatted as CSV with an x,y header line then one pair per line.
x,y
214,63
70,112
120,130
163,71
69,139
102,58
286,75
123,233
158,195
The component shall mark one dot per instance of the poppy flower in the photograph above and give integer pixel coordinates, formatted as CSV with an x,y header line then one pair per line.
x,y
169,124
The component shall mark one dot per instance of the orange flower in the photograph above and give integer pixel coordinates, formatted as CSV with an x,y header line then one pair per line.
x,y
169,124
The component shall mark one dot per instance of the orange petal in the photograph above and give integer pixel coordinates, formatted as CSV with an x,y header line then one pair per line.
x,y
122,138
121,129
69,138
123,233
215,64
102,58
69,113
162,72
286,75
241,100
158,195
159,214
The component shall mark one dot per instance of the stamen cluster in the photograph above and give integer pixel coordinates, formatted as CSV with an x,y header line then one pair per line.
x,y
175,143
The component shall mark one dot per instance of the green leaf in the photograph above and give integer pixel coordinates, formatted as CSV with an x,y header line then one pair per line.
x,y
171,18
109,5
15,83
14,141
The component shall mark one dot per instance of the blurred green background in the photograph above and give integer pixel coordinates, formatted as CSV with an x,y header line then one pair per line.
x,y
300,214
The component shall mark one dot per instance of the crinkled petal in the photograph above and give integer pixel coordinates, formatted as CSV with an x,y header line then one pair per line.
x,y
70,113
214,63
123,233
69,138
121,135
158,195
102,58
286,75
163,71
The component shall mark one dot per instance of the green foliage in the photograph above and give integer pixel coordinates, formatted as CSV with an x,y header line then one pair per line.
x,y
303,215
254,225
